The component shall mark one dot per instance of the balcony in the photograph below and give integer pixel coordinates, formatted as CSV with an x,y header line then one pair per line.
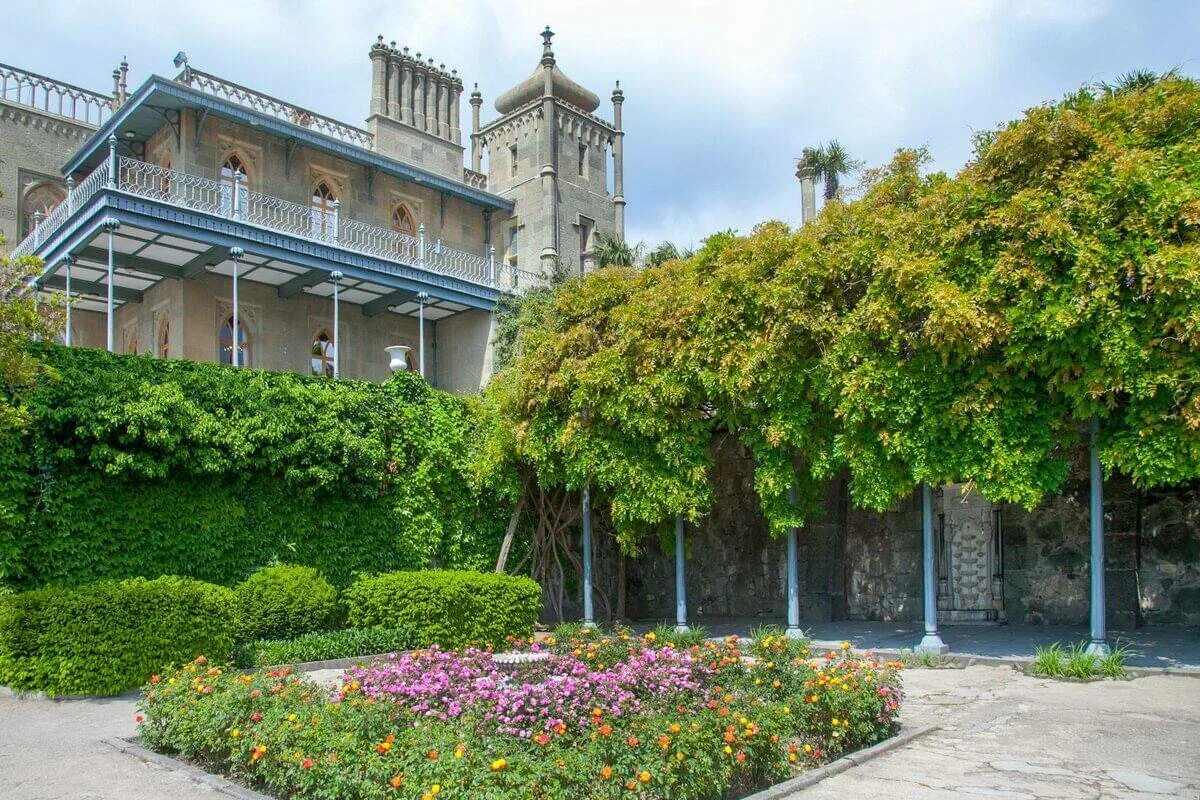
x,y
389,249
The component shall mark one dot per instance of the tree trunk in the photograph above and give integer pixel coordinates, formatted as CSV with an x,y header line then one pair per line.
x,y
502,559
620,612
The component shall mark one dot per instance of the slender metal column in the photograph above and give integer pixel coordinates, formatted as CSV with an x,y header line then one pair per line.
x,y
69,261
110,225
422,299
932,642
680,590
235,254
336,276
589,617
112,162
1099,643
793,578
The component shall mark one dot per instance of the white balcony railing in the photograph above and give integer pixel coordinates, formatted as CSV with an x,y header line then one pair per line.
x,y
53,97
219,198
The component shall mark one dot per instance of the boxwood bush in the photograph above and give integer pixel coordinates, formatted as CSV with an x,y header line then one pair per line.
x,y
282,602
110,636
324,645
447,607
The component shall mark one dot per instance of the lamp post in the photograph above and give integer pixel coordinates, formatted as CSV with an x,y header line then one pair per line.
x,y
422,299
110,225
235,255
336,276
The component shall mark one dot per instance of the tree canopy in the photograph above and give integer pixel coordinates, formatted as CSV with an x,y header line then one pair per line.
x,y
937,329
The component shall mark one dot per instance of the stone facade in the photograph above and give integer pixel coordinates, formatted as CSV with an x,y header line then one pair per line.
x,y
857,564
34,145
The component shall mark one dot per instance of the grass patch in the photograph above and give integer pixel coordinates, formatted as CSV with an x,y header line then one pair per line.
x,y
1075,662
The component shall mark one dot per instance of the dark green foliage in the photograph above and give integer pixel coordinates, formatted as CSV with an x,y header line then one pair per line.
x,y
325,645
447,607
110,636
283,602
132,466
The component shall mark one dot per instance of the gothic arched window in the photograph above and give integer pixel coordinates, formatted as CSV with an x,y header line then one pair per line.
x,y
324,211
225,343
231,167
41,198
323,349
164,338
403,222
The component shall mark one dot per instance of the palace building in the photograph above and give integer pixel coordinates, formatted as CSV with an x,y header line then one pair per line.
x,y
198,218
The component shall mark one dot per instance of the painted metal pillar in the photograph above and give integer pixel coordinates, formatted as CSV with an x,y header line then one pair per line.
x,y
1099,634
69,261
422,299
589,614
793,577
112,162
235,358
110,225
336,276
680,589
932,642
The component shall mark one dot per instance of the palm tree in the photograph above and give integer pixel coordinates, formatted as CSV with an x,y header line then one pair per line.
x,y
667,251
609,251
826,163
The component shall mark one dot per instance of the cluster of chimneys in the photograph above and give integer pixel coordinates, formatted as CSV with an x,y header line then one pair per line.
x,y
414,92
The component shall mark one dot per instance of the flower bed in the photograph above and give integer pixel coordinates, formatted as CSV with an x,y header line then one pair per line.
x,y
598,717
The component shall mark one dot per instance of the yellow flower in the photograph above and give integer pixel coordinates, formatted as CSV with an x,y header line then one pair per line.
x,y
644,776
499,764
728,750
650,637
787,709
235,733
845,645
679,756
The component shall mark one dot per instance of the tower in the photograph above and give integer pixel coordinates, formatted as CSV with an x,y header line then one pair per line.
x,y
548,152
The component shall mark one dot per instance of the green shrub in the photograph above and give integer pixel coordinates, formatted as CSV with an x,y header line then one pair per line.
x,y
140,467
283,602
447,607
324,645
110,636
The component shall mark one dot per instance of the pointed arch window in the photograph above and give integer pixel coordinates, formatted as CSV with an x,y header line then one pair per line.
x,y
402,221
42,199
323,349
164,338
225,343
230,169
324,211
132,348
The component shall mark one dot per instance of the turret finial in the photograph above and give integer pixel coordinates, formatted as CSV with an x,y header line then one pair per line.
x,y
547,51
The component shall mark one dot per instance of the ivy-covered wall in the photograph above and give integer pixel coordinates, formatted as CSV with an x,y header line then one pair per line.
x,y
133,466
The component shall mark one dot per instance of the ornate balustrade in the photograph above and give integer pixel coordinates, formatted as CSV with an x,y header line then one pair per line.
x,y
266,104
222,198
47,95
476,180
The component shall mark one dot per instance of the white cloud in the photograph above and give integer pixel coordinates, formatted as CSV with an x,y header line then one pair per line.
x,y
720,96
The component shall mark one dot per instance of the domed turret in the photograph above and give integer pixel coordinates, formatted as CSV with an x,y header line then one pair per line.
x,y
533,87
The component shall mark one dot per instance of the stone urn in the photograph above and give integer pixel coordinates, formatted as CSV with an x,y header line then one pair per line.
x,y
398,357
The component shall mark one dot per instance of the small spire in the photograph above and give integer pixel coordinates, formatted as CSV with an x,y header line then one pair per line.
x,y
547,50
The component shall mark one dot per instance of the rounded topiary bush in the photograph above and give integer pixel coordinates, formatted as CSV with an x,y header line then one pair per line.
x,y
283,602
109,636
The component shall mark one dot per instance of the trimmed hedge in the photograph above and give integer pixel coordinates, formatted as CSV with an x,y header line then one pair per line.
x,y
283,602
324,645
447,607
110,636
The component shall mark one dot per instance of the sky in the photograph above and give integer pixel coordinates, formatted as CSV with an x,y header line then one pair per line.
x,y
720,97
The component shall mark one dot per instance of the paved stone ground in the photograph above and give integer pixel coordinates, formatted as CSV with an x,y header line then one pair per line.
x,y
1006,735
1003,735
1163,646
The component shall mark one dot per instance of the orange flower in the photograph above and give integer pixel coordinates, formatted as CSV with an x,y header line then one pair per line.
x,y
432,755
632,741
396,781
605,730
664,741
306,764
541,739
644,776
383,747
606,772
741,756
